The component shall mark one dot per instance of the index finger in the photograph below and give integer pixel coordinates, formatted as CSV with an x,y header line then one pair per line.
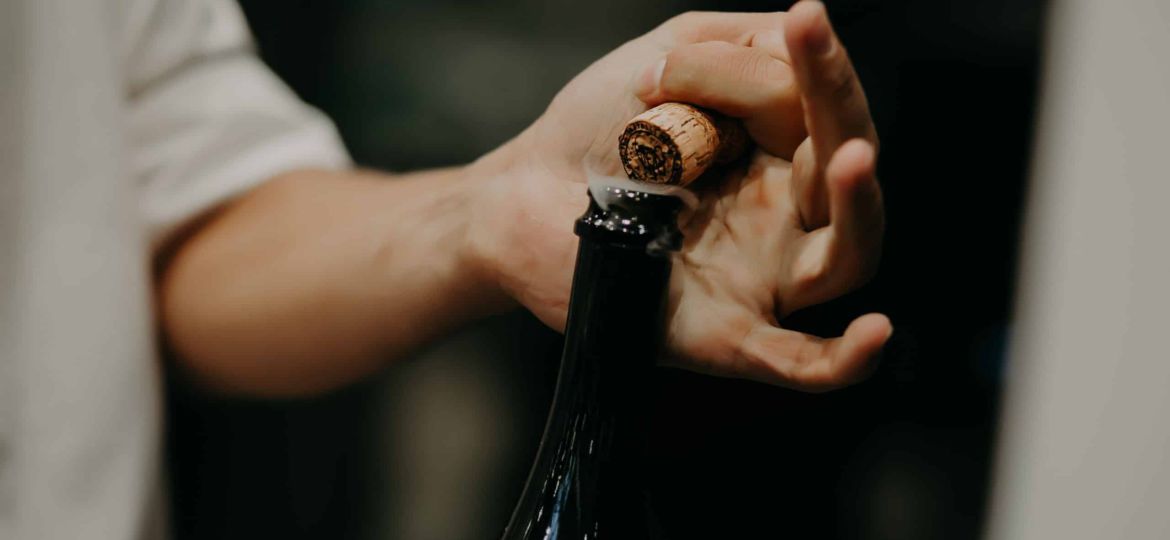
x,y
737,28
835,107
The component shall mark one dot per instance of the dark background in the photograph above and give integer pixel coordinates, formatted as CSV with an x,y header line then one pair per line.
x,y
438,447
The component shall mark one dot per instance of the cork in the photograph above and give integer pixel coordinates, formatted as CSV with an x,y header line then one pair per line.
x,y
674,143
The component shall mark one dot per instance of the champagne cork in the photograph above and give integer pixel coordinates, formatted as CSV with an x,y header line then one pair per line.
x,y
674,143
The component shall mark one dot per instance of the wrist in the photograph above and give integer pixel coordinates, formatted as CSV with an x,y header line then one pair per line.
x,y
521,230
485,249
429,244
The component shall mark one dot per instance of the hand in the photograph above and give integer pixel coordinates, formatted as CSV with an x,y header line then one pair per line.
x,y
764,242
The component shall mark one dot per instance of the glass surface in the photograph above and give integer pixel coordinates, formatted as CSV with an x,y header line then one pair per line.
x,y
588,480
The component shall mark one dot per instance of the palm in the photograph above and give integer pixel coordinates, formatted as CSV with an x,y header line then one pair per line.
x,y
731,275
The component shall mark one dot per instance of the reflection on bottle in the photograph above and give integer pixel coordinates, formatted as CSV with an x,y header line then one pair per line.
x,y
588,478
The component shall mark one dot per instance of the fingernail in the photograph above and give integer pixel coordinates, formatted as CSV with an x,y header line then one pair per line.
x,y
650,79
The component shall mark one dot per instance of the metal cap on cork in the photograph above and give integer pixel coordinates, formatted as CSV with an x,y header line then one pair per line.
x,y
675,143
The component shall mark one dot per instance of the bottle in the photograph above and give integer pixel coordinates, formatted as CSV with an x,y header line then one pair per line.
x,y
588,482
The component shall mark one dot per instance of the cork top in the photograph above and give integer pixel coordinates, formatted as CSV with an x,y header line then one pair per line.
x,y
674,143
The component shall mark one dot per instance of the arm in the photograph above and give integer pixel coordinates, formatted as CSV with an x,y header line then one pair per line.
x,y
316,278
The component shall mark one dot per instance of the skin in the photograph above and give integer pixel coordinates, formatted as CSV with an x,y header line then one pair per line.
x,y
318,278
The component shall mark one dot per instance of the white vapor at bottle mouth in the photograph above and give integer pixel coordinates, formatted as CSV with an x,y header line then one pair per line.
x,y
598,183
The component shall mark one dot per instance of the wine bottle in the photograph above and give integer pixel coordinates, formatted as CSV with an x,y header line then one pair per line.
x,y
588,481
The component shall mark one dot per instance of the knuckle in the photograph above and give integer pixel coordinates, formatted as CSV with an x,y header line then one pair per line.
x,y
689,66
684,25
838,82
843,269
780,94
676,76
811,275
834,75
713,48
755,66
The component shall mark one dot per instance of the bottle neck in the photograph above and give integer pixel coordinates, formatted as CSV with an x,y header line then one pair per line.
x,y
616,311
587,477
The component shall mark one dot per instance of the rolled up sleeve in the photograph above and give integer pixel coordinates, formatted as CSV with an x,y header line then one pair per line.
x,y
207,119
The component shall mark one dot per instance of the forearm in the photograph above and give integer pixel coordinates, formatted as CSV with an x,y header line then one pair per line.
x,y
318,278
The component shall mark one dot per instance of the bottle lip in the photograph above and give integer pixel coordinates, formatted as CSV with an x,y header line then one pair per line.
x,y
634,219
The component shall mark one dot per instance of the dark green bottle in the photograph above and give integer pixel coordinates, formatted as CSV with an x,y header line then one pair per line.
x,y
589,480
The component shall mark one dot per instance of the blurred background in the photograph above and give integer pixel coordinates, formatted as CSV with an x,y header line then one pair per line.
x,y
438,447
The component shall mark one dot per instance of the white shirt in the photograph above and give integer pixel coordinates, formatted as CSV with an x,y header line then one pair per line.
x,y
120,120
